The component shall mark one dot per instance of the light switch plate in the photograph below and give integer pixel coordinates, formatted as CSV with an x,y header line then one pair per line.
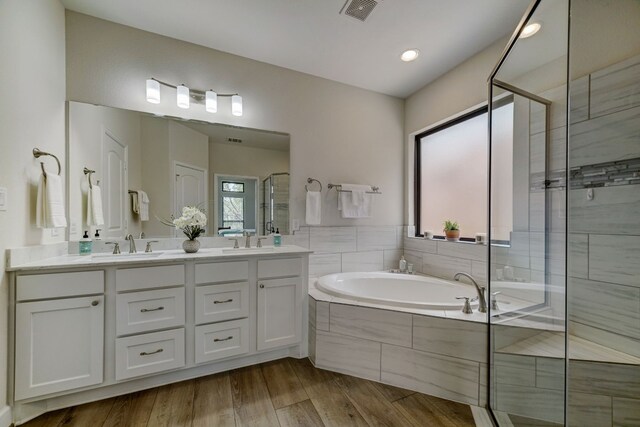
x,y
295,224
3,199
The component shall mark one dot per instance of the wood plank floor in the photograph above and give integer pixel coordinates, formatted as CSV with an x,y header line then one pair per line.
x,y
283,393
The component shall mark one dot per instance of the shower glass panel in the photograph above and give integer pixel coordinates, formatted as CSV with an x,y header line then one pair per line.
x,y
275,203
527,284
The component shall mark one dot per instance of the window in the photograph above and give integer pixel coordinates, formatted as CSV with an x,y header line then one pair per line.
x,y
451,175
233,212
232,187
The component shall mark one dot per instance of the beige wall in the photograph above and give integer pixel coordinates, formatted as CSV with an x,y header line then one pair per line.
x,y
32,81
246,161
156,180
339,133
458,90
87,124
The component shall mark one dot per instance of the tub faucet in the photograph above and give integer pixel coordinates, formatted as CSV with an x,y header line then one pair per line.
x,y
132,244
482,307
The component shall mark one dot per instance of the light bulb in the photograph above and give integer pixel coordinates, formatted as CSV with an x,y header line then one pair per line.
x,y
410,55
153,91
236,105
530,30
183,96
211,101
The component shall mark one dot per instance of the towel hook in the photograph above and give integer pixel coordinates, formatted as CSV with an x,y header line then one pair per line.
x,y
311,181
38,152
88,171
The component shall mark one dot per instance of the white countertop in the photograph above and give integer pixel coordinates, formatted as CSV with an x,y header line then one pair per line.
x,y
161,256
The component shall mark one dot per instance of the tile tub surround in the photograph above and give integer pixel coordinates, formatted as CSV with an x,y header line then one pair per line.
x,y
440,356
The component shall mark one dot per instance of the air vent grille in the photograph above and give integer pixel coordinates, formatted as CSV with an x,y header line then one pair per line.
x,y
237,140
359,9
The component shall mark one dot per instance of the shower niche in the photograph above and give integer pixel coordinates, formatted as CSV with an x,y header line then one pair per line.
x,y
569,353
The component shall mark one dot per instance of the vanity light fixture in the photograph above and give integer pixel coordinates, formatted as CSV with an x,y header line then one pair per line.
x,y
410,55
530,30
184,96
153,91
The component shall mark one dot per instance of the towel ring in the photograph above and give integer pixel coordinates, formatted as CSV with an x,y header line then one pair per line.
x,y
38,152
311,181
89,172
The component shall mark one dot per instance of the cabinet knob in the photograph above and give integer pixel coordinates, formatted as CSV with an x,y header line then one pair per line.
x,y
261,286
94,303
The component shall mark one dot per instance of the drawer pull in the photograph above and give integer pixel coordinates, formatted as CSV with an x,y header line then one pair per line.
x,y
94,303
222,339
145,310
144,353
223,302
261,286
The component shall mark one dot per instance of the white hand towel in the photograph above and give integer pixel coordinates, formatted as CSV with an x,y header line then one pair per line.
x,y
314,208
95,216
354,202
135,202
50,203
144,201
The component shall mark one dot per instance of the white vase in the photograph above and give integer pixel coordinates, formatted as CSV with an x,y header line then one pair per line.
x,y
191,246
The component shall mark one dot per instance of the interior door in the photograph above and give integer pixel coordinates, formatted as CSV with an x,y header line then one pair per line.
x,y
190,187
114,186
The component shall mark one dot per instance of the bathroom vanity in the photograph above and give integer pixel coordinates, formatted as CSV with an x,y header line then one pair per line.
x,y
87,328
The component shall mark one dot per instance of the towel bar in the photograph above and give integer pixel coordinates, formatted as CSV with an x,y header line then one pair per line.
x,y
311,181
89,172
338,187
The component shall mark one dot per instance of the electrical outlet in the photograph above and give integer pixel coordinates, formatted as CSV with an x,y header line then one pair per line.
x,y
73,228
3,199
295,224
55,232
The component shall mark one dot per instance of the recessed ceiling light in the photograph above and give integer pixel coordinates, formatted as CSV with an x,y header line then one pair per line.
x,y
409,55
530,30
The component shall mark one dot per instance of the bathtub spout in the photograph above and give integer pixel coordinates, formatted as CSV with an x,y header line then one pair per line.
x,y
482,307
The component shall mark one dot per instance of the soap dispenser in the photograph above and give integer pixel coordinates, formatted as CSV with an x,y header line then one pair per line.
x,y
403,264
277,238
97,235
85,244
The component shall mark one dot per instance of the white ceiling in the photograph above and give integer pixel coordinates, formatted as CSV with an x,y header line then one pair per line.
x,y
312,37
256,138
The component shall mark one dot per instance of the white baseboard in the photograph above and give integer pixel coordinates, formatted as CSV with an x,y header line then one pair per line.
x,y
5,416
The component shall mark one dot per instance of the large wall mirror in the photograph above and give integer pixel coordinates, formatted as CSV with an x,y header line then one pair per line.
x,y
239,176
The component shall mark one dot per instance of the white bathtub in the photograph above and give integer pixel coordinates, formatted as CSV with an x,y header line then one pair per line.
x,y
393,289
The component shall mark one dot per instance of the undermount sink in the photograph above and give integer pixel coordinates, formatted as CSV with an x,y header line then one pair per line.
x,y
248,250
137,255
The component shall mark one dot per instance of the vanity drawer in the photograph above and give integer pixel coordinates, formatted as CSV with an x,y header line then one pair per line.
x,y
287,267
132,279
215,303
149,310
222,340
149,353
45,286
214,272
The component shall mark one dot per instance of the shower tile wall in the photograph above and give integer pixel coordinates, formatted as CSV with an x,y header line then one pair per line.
x,y
355,248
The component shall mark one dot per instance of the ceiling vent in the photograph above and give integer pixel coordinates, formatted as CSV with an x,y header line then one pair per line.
x,y
359,9
236,140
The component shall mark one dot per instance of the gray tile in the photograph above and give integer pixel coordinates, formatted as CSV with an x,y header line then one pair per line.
x,y
312,344
606,338
578,261
615,308
463,250
613,210
362,261
301,237
385,326
332,239
614,259
550,373
444,266
588,410
442,376
514,369
604,378
414,258
579,94
542,404
391,258
456,338
371,238
422,245
605,139
626,412
348,355
321,264
616,87
322,315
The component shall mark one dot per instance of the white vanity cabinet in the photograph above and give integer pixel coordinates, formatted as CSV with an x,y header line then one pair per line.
x,y
58,342
83,333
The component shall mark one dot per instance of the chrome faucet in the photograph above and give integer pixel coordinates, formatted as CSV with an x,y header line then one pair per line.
x,y
247,236
132,244
482,307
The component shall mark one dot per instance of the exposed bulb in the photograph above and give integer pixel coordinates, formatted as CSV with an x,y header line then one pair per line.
x,y
236,105
211,101
153,91
183,96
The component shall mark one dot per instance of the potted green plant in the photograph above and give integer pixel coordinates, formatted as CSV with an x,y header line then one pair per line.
x,y
452,230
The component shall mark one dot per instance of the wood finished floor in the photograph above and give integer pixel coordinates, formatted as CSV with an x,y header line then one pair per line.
x,y
286,392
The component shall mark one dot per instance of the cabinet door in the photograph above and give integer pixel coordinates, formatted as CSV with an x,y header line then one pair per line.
x,y
279,312
59,345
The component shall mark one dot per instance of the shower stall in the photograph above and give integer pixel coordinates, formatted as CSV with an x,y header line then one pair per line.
x,y
565,132
274,203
